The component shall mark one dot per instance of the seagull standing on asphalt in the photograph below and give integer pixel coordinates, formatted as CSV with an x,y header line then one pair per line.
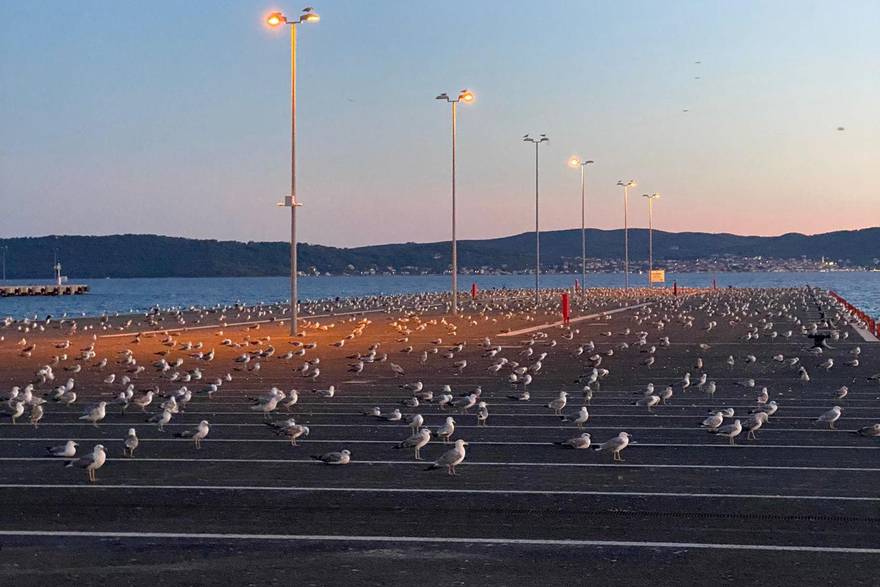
x,y
731,431
446,430
198,435
92,462
831,416
451,458
131,442
95,414
581,418
615,446
713,422
416,442
558,404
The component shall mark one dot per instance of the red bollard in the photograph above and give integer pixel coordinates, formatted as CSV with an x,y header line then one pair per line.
x,y
565,309
675,288
474,290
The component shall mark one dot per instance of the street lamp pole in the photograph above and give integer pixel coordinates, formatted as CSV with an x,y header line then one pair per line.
x,y
651,198
576,162
276,19
466,97
626,186
537,141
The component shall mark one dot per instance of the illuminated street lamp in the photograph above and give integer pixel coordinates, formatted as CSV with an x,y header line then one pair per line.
x,y
537,141
275,20
467,97
626,185
651,198
576,162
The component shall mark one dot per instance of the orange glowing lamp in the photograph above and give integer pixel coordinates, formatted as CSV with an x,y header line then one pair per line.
x,y
275,19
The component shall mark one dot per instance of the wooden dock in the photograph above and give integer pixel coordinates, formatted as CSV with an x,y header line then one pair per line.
x,y
49,289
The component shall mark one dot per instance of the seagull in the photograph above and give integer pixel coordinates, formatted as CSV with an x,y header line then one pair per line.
x,y
650,401
446,430
416,442
831,416
581,418
415,422
92,462
482,413
869,431
161,419
342,457
131,443
582,441
451,458
615,445
294,431
394,416
67,450
465,403
325,393
198,434
755,421
558,404
17,411
731,431
95,414
713,422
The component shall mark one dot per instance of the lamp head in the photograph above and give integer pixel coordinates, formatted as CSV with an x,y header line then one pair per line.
x,y
574,162
443,96
276,19
466,96
309,16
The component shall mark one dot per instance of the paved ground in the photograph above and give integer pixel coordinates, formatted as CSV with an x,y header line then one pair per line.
x,y
798,504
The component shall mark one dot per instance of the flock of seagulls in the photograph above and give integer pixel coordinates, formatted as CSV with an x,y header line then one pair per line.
x,y
645,354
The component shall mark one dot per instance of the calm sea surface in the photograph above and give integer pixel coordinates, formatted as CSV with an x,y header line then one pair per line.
x,y
138,295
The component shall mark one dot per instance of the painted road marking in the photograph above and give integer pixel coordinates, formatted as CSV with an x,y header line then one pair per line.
x,y
441,491
436,540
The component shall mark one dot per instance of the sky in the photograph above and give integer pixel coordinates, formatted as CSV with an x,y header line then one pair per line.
x,y
172,117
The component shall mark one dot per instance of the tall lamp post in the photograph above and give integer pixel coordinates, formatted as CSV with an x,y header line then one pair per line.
x,y
626,185
275,20
651,198
537,141
467,97
575,162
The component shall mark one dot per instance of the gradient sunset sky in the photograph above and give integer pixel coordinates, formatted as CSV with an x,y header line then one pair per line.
x,y
172,117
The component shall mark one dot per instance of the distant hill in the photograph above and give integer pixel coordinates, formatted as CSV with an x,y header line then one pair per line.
x,y
131,255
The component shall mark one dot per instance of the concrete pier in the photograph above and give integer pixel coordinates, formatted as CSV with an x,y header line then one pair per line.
x,y
49,289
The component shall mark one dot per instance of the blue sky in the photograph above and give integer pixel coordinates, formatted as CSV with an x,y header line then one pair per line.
x,y
172,117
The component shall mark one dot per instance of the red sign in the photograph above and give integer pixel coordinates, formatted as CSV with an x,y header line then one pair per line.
x,y
565,308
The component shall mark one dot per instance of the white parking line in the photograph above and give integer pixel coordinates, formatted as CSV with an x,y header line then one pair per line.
x,y
456,414
441,491
545,326
619,465
436,540
724,445
391,426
